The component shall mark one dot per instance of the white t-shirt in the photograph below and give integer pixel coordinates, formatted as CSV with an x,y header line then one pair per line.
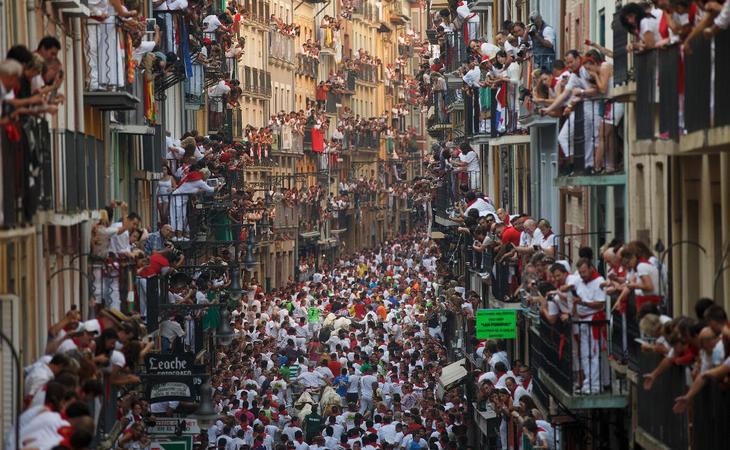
x,y
211,23
651,24
650,270
471,160
589,292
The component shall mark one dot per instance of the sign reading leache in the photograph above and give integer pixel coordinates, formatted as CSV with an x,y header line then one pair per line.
x,y
496,324
170,363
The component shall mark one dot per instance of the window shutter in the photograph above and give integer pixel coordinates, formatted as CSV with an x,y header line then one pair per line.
x,y
9,324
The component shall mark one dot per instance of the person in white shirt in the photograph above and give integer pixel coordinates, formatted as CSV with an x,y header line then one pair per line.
x,y
368,384
42,373
193,183
311,378
469,163
590,306
469,19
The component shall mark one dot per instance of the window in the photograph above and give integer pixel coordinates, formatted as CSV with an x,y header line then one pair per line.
x,y
602,27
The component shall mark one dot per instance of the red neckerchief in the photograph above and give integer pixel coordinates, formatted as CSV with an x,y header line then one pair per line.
x,y
192,176
468,205
550,233
593,276
644,260
525,383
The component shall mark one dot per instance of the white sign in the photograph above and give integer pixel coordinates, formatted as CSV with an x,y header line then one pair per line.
x,y
169,425
170,390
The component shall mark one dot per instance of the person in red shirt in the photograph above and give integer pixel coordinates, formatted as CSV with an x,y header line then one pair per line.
x,y
334,365
159,264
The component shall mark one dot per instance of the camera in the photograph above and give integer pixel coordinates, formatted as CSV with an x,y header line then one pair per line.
x,y
531,28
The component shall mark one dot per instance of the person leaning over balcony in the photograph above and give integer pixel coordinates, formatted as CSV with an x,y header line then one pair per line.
x,y
641,21
684,351
642,277
578,84
590,303
468,165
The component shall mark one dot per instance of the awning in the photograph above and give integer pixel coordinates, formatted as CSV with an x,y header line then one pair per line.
x,y
451,375
309,234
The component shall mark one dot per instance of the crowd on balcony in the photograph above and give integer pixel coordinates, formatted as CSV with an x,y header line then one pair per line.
x,y
311,49
280,26
29,94
330,27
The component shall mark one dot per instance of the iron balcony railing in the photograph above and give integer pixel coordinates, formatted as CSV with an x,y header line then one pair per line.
x,y
307,66
621,74
625,347
456,51
573,355
368,73
78,168
282,47
106,59
175,38
27,183
654,413
662,78
588,140
288,140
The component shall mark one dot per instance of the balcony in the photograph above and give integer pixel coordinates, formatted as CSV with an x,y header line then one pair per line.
x,y
285,216
194,88
369,74
174,38
106,68
368,141
31,145
287,140
625,350
553,350
701,127
72,8
456,52
590,149
281,49
307,66
438,113
257,13
363,10
78,168
256,82
397,14
623,87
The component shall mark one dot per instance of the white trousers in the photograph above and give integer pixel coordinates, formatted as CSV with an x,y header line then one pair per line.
x,y
590,357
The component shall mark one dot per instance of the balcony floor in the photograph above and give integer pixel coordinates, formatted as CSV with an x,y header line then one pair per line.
x,y
591,180
570,401
111,100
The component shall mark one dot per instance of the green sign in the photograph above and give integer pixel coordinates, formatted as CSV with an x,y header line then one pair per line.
x,y
496,324
179,443
313,315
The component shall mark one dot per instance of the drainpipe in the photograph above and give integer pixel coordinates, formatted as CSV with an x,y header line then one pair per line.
x,y
79,76
41,292
30,11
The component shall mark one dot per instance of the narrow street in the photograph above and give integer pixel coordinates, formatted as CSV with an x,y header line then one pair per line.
x,y
364,224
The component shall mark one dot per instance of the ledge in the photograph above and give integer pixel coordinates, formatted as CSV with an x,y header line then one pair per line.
x,y
625,93
591,180
510,139
648,441
536,120
598,401
110,100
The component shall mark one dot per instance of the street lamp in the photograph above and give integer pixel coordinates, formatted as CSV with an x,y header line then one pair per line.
x,y
250,261
224,333
205,414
